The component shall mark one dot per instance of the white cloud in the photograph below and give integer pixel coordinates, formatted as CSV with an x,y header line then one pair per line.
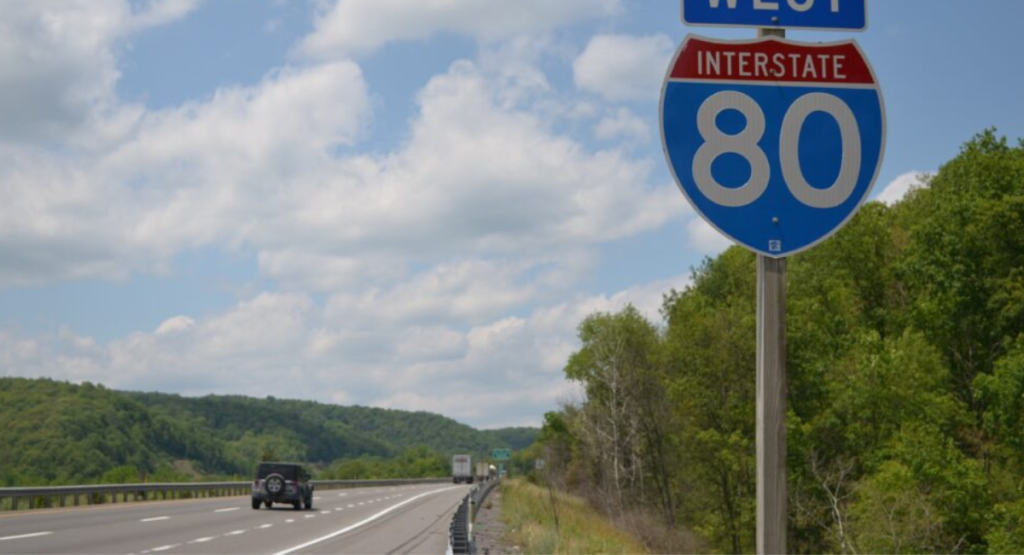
x,y
623,123
57,63
503,371
176,324
624,67
353,26
469,291
445,263
258,166
903,184
705,239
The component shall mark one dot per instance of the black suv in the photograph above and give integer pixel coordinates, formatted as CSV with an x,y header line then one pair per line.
x,y
278,482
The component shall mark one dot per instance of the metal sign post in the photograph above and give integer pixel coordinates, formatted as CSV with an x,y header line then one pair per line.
x,y
800,180
771,405
771,396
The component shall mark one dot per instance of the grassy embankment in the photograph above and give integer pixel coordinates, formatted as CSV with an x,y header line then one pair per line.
x,y
541,521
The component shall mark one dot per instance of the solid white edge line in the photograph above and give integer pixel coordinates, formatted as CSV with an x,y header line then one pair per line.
x,y
32,535
361,522
203,540
165,547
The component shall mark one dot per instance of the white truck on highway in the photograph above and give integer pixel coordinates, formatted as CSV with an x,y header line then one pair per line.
x,y
483,471
462,469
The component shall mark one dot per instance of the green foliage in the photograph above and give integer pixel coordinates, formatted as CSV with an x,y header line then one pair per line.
x,y
418,462
1007,533
544,521
60,433
905,371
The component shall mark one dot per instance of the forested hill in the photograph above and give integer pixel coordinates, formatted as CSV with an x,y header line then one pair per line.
x,y
905,378
61,433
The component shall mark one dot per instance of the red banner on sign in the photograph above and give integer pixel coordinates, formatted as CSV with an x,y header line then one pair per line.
x,y
772,60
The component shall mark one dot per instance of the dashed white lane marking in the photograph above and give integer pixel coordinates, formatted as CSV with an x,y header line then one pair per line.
x,y
289,521
310,516
165,547
325,512
265,526
351,506
226,510
338,509
362,522
32,535
316,499
203,540
156,518
342,494
235,533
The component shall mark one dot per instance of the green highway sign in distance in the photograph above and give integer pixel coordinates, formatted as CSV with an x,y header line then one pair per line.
x,y
501,454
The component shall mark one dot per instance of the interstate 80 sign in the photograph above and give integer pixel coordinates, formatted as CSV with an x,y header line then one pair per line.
x,y
775,143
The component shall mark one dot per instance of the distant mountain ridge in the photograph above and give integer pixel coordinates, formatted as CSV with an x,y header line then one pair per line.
x,y
58,432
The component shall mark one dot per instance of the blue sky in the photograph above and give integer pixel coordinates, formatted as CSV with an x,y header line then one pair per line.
x,y
406,204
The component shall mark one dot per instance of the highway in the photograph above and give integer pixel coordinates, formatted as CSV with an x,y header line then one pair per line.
x,y
400,519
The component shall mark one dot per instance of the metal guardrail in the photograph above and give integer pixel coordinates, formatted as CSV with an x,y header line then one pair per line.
x,y
460,531
62,496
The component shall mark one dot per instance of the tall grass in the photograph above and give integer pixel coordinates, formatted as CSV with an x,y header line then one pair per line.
x,y
542,521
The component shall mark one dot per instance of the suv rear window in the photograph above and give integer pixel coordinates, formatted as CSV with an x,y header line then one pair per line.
x,y
287,471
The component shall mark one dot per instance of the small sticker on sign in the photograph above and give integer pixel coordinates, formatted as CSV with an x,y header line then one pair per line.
x,y
774,245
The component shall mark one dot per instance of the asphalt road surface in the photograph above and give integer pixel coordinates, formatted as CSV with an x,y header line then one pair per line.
x,y
400,519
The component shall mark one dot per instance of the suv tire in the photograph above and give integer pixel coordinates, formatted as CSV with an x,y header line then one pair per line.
x,y
255,504
275,484
308,502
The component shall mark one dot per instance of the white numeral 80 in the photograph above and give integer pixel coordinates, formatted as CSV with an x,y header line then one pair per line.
x,y
745,144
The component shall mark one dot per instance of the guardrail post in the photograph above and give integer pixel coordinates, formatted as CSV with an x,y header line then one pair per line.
x,y
14,503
